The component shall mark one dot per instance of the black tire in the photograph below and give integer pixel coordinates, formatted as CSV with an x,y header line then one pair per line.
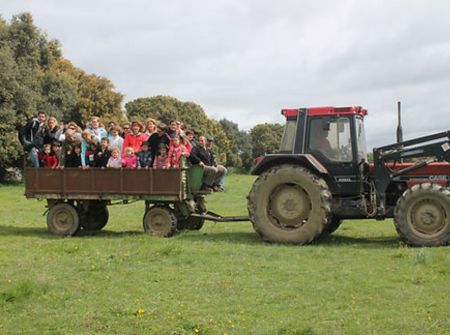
x,y
422,215
289,204
160,221
63,220
191,223
332,225
96,217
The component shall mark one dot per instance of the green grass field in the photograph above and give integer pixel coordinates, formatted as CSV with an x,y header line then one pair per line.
x,y
220,280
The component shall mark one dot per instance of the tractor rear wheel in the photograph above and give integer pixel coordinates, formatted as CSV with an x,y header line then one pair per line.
x,y
63,219
96,217
422,215
160,221
289,204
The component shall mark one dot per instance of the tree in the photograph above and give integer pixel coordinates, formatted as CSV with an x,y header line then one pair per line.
x,y
266,138
34,76
241,143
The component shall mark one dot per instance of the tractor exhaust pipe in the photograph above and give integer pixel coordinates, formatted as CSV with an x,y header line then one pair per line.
x,y
399,126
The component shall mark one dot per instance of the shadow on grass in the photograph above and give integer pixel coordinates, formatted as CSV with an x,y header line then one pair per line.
x,y
376,242
332,240
42,232
249,238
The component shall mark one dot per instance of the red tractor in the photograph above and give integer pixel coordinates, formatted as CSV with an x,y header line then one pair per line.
x,y
321,176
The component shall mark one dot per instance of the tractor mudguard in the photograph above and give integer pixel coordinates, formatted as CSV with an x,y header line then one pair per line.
x,y
306,160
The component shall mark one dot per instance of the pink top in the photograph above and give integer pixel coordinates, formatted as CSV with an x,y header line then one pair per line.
x,y
161,162
129,162
175,153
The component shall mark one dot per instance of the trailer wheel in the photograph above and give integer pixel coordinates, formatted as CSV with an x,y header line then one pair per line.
x,y
191,223
96,217
160,221
422,215
63,220
333,224
289,204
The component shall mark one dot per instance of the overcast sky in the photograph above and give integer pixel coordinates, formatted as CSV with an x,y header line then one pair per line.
x,y
246,60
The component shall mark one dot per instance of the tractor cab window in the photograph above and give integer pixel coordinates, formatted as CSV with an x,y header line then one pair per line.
x,y
331,137
361,140
288,139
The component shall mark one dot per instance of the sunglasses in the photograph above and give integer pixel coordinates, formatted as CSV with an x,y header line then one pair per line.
x,y
126,128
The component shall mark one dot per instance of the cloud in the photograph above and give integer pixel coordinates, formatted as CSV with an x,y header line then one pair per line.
x,y
246,60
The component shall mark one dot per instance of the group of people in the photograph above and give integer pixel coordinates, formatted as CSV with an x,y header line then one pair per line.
x,y
132,145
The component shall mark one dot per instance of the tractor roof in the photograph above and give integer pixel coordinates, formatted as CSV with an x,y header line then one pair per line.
x,y
356,110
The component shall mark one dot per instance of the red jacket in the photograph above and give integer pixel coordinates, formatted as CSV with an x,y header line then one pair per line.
x,y
133,141
49,161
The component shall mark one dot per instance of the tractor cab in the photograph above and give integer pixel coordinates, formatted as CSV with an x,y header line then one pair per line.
x,y
332,140
335,137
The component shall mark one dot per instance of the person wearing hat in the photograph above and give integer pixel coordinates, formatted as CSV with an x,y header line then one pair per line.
x,y
135,138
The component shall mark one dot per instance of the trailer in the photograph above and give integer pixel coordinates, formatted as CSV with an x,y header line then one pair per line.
x,y
79,198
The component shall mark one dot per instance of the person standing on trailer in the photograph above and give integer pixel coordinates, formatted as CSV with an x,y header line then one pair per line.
x,y
31,137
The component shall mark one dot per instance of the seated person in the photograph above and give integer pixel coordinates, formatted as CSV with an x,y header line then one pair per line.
x,y
200,155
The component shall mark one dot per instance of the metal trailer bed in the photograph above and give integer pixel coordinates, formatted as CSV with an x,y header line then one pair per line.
x,y
78,198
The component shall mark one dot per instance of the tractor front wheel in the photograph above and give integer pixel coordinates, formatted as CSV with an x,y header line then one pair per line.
x,y
422,215
289,204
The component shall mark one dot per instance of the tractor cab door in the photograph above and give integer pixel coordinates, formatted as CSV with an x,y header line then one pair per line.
x,y
330,140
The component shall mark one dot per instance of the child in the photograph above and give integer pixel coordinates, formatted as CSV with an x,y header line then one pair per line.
x,y
74,158
90,153
144,157
129,161
176,150
114,161
115,141
102,153
44,155
162,160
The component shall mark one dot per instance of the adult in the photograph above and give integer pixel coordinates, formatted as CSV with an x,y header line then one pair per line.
x,y
31,137
71,141
201,156
189,136
126,129
218,186
111,125
52,131
87,140
157,138
135,138
150,127
96,130
173,129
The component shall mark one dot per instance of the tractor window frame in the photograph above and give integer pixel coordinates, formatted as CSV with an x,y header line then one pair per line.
x,y
287,143
332,142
